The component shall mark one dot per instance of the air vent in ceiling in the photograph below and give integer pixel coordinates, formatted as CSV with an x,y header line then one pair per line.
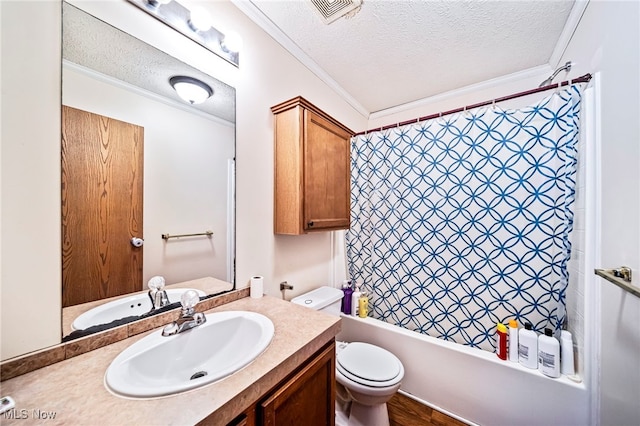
x,y
330,10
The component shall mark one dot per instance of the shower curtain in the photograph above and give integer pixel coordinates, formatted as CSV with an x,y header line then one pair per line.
x,y
463,221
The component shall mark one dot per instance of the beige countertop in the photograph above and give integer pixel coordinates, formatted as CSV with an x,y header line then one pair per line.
x,y
73,392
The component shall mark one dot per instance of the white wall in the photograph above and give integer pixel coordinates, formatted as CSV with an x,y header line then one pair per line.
x,y
30,177
185,176
608,41
268,75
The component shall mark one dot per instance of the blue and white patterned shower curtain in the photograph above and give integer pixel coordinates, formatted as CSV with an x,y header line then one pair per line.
x,y
463,221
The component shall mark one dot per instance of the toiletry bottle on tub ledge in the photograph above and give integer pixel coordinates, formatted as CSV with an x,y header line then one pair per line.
x,y
346,298
363,305
549,354
528,346
355,300
501,341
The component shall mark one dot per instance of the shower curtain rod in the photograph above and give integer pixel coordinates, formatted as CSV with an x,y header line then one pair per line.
x,y
584,79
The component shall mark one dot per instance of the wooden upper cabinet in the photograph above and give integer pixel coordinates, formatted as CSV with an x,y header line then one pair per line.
x,y
312,169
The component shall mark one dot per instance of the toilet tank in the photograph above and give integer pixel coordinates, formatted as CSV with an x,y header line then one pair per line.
x,y
325,299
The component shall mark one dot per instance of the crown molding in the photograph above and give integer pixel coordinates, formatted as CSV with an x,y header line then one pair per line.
x,y
540,71
252,12
248,8
142,92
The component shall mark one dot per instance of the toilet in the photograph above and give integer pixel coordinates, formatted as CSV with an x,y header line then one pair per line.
x,y
367,376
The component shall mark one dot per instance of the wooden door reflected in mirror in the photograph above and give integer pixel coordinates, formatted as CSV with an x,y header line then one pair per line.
x,y
102,199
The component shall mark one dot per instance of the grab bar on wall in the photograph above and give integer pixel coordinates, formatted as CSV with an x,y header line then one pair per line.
x,y
207,233
621,277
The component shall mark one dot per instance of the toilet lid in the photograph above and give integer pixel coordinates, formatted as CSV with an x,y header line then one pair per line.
x,y
369,364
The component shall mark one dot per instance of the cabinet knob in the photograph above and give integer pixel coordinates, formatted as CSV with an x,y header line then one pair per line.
x,y
310,224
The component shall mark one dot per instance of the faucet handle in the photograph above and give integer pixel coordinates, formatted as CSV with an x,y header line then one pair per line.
x,y
156,283
189,300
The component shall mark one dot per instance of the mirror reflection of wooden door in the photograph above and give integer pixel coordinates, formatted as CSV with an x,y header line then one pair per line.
x,y
102,178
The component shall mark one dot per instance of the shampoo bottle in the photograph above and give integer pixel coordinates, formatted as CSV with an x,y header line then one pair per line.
x,y
355,301
501,341
528,347
513,340
346,298
549,354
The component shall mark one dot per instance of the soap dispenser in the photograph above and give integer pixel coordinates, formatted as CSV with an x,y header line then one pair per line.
x,y
346,299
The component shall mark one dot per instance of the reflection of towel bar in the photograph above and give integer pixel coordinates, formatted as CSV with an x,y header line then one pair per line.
x,y
207,233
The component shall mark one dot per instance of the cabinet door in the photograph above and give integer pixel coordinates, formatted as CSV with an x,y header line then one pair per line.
x,y
326,174
308,398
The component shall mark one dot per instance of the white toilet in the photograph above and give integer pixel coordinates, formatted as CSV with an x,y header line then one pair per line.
x,y
369,375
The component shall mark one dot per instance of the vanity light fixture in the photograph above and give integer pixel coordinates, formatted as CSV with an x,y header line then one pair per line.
x,y
199,19
191,89
195,24
232,42
157,3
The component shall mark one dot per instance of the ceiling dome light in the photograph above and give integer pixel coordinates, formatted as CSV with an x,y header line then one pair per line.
x,y
200,19
232,42
191,90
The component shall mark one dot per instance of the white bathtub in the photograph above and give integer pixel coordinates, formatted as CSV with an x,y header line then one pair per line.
x,y
470,384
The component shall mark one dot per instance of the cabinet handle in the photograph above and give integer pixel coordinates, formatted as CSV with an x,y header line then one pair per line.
x,y
310,224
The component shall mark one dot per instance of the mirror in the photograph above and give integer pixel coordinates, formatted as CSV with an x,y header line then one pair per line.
x,y
186,221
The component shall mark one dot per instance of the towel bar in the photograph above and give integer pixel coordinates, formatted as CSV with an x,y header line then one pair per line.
x,y
207,233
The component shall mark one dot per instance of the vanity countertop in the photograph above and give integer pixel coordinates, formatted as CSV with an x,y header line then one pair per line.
x,y
73,390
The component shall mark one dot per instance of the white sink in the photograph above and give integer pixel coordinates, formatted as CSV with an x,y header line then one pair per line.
x,y
138,304
158,366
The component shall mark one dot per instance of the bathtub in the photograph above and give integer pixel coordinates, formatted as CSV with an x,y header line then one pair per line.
x,y
473,385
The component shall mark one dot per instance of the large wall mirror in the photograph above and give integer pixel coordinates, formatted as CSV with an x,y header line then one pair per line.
x,y
139,162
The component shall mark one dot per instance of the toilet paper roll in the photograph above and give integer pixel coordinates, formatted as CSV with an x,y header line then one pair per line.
x,y
257,287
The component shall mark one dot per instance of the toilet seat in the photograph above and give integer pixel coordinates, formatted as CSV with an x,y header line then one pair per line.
x,y
369,365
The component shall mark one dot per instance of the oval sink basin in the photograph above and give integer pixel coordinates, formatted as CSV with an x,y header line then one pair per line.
x,y
135,305
158,366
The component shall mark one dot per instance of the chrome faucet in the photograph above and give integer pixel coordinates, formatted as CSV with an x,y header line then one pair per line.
x,y
157,294
189,318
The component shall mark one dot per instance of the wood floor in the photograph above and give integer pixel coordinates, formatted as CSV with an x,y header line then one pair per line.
x,y
404,411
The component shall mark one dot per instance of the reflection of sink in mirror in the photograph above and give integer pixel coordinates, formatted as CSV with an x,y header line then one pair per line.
x,y
159,366
138,304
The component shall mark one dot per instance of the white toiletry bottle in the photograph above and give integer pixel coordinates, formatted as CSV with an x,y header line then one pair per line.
x,y
355,297
528,347
513,340
567,366
549,354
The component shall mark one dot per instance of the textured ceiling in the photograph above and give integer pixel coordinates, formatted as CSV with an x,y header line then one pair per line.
x,y
395,52
93,44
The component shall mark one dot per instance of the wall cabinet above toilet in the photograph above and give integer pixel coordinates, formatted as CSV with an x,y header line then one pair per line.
x,y
312,169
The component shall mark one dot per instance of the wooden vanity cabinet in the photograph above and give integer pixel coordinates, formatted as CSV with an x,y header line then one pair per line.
x,y
307,397
312,169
